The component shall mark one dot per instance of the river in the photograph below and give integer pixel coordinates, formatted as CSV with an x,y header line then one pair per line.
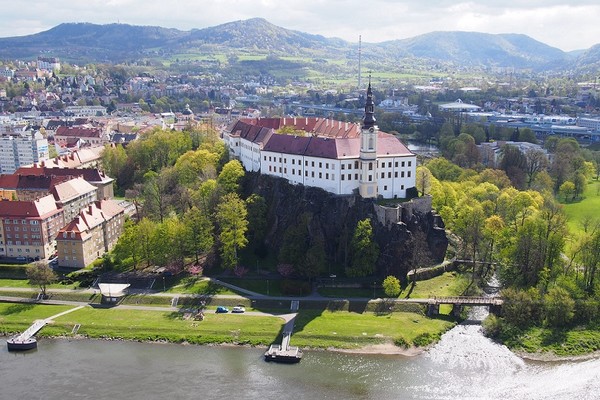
x,y
463,365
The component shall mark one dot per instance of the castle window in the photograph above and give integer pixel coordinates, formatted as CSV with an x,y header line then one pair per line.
x,y
355,164
401,187
327,176
390,164
343,165
370,166
355,176
293,161
320,175
370,143
409,163
312,174
402,174
349,177
385,188
320,165
396,174
305,173
402,163
312,163
389,174
306,163
326,165
382,175
370,178
396,164
409,174
285,170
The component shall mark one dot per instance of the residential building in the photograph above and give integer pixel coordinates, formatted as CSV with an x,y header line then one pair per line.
x,y
338,157
29,228
73,195
93,176
17,187
93,232
48,63
93,136
21,149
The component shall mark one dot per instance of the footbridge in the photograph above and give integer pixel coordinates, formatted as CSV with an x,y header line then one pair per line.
x,y
458,302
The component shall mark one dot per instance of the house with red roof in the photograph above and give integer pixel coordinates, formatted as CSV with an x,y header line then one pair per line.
x,y
339,157
92,233
28,228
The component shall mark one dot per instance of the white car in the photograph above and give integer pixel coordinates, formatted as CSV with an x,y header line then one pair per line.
x,y
238,309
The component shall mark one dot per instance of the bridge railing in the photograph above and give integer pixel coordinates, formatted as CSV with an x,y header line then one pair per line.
x,y
473,300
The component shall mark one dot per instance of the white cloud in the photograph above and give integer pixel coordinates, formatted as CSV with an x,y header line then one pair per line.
x,y
564,24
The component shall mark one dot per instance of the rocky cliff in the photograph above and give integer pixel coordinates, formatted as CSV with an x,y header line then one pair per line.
x,y
409,235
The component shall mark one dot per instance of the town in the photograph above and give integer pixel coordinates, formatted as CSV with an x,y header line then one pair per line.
x,y
200,186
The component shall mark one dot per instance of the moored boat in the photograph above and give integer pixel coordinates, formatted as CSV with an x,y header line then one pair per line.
x,y
15,343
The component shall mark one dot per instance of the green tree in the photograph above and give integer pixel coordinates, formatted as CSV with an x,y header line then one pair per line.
x,y
559,307
567,190
391,286
229,178
232,218
521,308
199,232
40,274
423,180
257,221
364,250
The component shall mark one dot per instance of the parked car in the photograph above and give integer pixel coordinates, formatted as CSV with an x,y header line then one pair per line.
x,y
238,309
222,310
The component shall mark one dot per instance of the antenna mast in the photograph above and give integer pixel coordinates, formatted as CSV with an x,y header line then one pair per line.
x,y
359,57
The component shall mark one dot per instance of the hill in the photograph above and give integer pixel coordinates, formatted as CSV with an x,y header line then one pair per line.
x,y
86,42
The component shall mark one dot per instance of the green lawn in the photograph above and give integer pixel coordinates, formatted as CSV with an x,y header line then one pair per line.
x,y
589,206
354,330
195,285
447,284
561,342
316,329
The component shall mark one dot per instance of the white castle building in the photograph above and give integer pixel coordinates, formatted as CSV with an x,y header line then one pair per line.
x,y
339,157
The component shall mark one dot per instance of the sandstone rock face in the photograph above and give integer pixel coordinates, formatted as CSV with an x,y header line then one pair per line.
x,y
409,235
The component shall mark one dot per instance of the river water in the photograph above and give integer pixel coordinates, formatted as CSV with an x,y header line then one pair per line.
x,y
463,365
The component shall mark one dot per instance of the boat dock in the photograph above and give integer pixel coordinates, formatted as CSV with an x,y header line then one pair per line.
x,y
283,352
27,340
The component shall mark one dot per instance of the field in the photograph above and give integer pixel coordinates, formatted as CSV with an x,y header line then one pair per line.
x,y
589,206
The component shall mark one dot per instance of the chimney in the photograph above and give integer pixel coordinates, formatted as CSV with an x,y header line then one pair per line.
x,y
90,209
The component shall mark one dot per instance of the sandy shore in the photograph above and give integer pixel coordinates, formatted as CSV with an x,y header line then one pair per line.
x,y
383,348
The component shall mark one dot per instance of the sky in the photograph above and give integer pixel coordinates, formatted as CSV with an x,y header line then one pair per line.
x,y
565,24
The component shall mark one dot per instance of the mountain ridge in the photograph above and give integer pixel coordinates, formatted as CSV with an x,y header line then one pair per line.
x,y
88,42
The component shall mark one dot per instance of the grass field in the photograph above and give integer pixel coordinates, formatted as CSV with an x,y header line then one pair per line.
x,y
350,330
589,206
315,329
571,342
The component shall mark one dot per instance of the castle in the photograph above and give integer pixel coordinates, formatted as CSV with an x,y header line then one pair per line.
x,y
341,158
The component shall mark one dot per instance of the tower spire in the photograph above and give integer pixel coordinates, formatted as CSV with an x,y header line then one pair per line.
x,y
369,118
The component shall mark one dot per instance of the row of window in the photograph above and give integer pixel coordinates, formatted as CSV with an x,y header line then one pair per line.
x,y
22,221
343,165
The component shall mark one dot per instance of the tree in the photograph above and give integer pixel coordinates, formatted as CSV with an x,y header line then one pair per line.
x,y
232,218
559,307
566,190
230,176
40,274
423,180
199,232
257,222
365,251
535,162
391,286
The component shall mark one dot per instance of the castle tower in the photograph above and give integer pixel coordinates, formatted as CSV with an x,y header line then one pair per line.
x,y
367,186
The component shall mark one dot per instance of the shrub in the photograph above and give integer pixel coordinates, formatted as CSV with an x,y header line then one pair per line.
x,y
400,341
425,339
492,326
